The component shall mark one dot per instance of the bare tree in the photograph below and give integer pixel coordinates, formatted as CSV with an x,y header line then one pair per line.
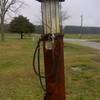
x,y
65,15
8,6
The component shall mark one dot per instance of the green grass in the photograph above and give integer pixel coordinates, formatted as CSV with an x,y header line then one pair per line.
x,y
83,36
82,67
18,82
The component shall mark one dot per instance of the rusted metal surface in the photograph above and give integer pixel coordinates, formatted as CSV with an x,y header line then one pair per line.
x,y
54,60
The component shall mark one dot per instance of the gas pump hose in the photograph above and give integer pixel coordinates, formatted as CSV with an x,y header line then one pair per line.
x,y
37,53
38,72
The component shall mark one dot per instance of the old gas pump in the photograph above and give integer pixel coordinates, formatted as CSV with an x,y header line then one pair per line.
x,y
52,39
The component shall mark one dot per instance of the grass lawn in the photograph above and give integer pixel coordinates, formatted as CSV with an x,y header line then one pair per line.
x,y
83,36
18,82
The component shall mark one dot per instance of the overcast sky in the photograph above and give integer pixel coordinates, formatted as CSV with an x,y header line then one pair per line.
x,y
90,9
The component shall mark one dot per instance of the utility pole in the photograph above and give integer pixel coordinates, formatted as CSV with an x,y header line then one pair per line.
x,y
81,20
53,50
81,27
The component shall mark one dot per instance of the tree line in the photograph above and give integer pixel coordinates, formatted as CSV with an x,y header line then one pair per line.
x,y
21,25
73,30
17,27
81,30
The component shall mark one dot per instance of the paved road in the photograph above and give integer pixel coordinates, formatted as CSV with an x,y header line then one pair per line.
x,y
84,43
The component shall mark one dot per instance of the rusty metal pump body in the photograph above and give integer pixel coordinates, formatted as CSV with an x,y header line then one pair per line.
x,y
53,50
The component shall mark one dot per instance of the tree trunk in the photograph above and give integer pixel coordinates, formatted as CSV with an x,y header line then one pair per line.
x,y
22,35
2,29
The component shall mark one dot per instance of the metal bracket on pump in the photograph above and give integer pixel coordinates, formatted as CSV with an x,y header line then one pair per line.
x,y
49,41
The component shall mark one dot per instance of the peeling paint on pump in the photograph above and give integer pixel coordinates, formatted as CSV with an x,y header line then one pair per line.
x,y
51,16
